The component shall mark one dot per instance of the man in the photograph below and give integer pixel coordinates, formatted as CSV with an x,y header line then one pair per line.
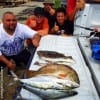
x,y
73,6
48,6
49,12
12,36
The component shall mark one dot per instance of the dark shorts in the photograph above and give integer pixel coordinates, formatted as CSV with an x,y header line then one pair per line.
x,y
22,57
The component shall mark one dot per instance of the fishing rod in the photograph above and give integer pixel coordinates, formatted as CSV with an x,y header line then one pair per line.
x,y
94,32
86,28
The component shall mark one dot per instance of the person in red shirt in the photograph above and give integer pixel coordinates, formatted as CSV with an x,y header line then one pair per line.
x,y
39,23
73,6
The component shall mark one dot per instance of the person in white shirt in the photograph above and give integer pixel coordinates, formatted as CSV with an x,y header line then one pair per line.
x,y
12,36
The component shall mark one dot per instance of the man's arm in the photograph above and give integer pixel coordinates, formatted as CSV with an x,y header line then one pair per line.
x,y
36,40
43,32
7,62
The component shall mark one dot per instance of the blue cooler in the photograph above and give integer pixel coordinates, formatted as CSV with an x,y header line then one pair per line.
x,y
95,47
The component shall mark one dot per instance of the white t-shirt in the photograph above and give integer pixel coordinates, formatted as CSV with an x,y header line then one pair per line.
x,y
14,44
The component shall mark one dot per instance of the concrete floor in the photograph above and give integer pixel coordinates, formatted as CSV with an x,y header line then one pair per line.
x,y
19,8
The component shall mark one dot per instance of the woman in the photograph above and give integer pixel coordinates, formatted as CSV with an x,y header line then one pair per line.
x,y
62,25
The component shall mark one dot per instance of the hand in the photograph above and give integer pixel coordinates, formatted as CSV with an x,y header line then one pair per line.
x,y
36,40
11,65
79,5
52,11
56,28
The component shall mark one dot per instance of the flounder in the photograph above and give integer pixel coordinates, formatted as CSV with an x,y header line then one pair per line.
x,y
53,56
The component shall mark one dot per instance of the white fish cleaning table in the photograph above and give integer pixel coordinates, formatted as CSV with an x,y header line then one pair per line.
x,y
69,47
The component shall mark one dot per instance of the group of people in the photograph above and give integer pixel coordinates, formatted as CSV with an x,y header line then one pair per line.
x,y
46,20
59,21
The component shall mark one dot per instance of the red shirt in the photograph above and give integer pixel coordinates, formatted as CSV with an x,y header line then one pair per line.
x,y
70,6
42,25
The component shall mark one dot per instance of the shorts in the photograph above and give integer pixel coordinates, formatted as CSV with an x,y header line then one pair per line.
x,y
22,57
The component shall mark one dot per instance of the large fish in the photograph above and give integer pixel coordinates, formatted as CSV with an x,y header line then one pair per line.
x,y
56,57
52,81
49,87
50,94
61,74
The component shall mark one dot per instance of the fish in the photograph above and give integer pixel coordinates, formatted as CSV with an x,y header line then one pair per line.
x,y
55,57
50,94
47,87
59,72
50,82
